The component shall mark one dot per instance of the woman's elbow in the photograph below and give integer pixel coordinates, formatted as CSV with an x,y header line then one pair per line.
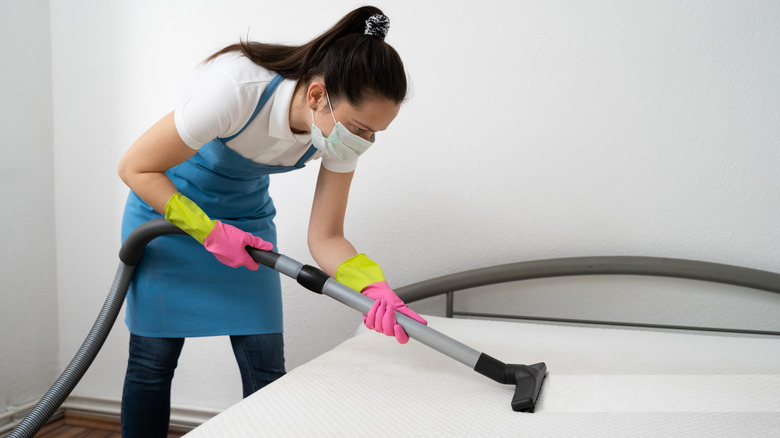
x,y
124,170
121,170
313,242
316,239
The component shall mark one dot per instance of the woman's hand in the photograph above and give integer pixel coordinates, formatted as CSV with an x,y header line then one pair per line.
x,y
228,244
381,317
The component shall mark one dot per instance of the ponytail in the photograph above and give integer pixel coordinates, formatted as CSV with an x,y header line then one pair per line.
x,y
352,58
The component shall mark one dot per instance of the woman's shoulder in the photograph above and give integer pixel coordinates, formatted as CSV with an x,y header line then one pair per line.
x,y
221,99
240,68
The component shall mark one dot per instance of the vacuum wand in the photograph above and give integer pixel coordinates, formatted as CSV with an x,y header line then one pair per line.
x,y
526,378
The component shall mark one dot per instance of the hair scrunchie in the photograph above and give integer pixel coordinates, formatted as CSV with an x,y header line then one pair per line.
x,y
377,25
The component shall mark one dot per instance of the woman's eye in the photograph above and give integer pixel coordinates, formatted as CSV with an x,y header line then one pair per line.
x,y
357,130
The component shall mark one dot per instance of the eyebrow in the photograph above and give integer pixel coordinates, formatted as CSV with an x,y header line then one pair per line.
x,y
363,125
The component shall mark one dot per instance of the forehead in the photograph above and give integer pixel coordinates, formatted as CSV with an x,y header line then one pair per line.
x,y
374,113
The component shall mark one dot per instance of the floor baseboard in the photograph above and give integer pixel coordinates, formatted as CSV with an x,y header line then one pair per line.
x,y
108,422
181,417
104,414
92,420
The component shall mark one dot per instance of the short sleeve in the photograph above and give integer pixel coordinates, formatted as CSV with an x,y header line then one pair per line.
x,y
339,166
215,107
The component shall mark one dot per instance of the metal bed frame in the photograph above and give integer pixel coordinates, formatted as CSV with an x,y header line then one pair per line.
x,y
605,265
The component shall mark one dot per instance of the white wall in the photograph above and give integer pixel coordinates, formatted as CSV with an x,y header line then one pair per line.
x,y
29,359
534,130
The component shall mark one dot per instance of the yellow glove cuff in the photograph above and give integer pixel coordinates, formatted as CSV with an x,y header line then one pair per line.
x,y
358,272
185,214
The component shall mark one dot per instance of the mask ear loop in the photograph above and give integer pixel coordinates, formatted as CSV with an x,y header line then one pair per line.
x,y
331,108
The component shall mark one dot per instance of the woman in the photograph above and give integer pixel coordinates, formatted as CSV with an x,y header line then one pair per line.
x,y
258,109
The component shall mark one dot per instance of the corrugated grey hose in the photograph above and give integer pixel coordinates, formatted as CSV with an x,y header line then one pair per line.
x,y
69,378
130,255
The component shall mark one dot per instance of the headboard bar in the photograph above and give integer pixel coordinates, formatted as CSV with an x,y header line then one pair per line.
x,y
603,265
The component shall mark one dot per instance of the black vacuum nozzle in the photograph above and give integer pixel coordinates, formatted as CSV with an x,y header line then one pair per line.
x,y
528,383
526,378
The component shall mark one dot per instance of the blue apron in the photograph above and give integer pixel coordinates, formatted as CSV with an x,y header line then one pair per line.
x,y
180,289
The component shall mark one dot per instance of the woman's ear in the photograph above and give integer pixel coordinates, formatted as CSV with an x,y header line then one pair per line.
x,y
315,94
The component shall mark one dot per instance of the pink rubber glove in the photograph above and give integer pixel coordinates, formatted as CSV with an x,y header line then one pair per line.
x,y
228,244
381,317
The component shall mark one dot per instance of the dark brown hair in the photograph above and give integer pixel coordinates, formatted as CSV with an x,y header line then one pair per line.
x,y
354,66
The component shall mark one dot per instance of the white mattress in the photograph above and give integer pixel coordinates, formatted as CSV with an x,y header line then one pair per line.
x,y
600,382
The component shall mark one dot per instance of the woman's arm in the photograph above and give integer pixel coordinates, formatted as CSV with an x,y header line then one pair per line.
x,y
143,166
327,243
336,255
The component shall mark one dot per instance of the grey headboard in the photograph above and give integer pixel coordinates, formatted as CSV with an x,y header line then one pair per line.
x,y
608,265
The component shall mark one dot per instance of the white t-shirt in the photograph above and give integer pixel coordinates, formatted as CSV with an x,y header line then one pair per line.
x,y
223,98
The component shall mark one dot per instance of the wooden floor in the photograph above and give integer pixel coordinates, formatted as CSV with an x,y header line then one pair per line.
x,y
78,425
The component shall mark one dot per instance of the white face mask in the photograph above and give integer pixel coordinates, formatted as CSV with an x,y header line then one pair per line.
x,y
340,144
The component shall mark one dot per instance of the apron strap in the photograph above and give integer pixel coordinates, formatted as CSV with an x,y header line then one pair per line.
x,y
267,93
302,162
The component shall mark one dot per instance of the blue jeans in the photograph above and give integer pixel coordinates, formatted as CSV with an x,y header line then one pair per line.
x,y
146,400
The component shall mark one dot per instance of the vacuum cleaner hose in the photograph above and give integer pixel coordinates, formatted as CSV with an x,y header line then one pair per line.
x,y
527,378
56,395
130,255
